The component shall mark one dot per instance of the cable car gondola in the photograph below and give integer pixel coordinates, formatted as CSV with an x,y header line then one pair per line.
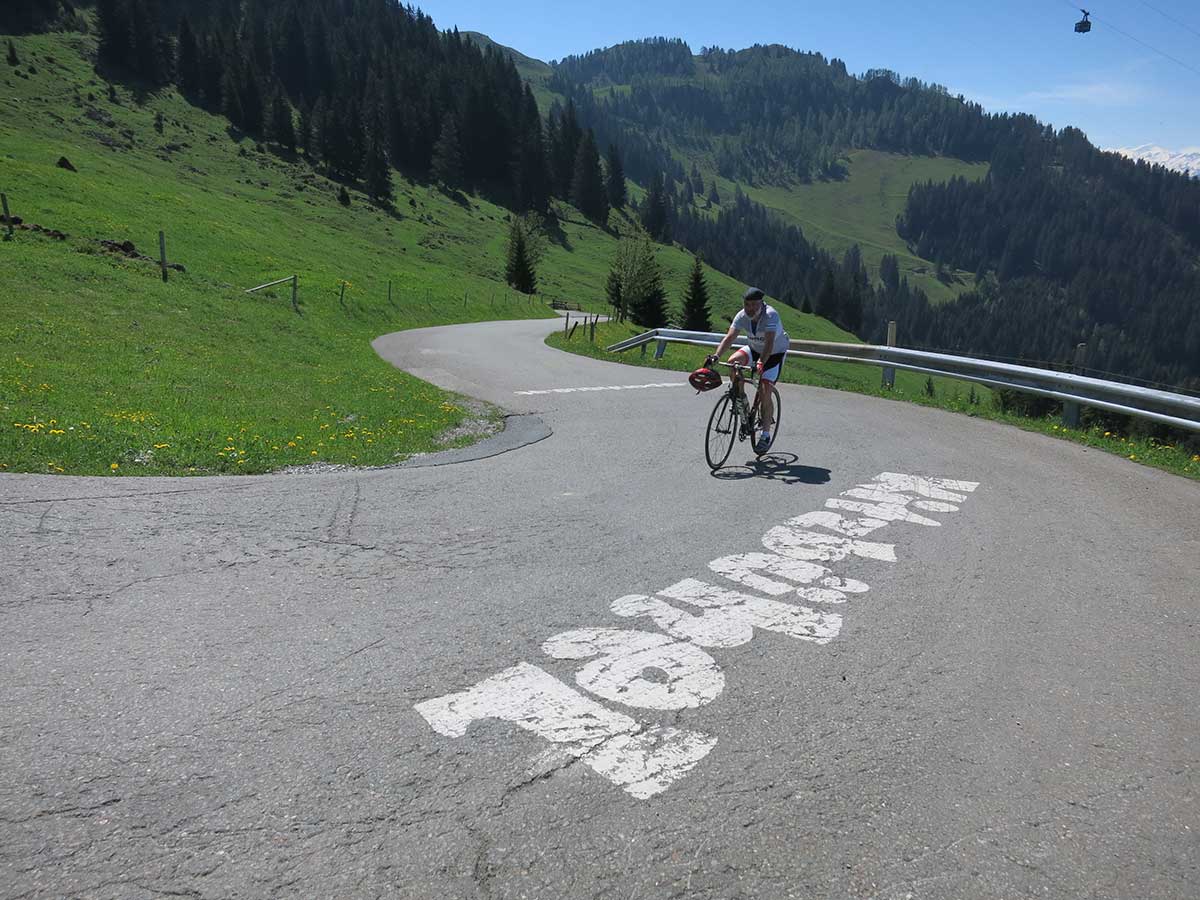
x,y
1083,26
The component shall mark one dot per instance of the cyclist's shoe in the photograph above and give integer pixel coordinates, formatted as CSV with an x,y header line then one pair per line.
x,y
763,443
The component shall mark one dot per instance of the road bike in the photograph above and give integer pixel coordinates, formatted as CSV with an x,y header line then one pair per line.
x,y
733,419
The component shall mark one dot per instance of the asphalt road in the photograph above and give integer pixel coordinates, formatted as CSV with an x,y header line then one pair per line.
x,y
413,682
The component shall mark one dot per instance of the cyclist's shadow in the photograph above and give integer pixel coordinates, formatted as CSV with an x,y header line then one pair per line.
x,y
778,466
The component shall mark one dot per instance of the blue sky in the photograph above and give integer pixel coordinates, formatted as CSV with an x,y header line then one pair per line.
x,y
1010,56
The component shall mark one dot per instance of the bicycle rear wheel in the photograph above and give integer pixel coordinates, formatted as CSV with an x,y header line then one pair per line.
x,y
722,430
778,410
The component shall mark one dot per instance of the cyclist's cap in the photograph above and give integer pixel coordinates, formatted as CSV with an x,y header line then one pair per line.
x,y
752,294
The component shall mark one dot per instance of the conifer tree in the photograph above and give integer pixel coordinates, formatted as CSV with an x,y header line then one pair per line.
x,y
282,128
826,306
587,185
187,61
713,197
654,211
376,171
647,299
568,135
112,17
447,165
231,98
615,293
13,59
696,314
615,178
531,176
518,270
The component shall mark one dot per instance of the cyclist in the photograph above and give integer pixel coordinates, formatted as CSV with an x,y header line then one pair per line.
x,y
768,346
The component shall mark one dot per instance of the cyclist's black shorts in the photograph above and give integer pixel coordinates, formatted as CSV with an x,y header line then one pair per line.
x,y
772,367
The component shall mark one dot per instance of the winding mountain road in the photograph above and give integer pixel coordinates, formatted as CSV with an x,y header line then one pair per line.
x,y
910,654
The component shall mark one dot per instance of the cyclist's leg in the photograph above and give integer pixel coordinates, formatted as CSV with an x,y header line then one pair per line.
x,y
741,357
771,372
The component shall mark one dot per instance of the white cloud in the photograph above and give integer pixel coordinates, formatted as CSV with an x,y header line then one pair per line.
x,y
1095,93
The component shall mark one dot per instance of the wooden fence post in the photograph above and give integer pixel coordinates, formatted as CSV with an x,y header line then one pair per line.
x,y
7,217
162,253
295,305
342,295
389,292
889,374
572,334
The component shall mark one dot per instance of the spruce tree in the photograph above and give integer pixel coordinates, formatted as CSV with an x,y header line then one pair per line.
x,y
713,197
827,305
518,270
615,178
13,59
187,61
654,211
648,300
696,314
447,165
112,17
569,135
587,185
282,128
531,176
376,171
615,293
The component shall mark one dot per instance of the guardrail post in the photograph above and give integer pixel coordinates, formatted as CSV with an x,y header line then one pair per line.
x,y
889,374
1070,413
660,349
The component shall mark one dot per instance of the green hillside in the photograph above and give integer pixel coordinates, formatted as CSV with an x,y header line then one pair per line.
x,y
108,369
862,209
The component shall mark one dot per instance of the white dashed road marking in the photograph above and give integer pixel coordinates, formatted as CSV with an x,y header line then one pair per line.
x,y
608,387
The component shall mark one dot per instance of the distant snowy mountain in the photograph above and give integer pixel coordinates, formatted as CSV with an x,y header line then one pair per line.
x,y
1186,160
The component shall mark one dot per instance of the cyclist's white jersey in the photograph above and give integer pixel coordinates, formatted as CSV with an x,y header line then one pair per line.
x,y
756,333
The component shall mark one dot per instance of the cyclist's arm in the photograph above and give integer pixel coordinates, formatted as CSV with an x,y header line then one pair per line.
x,y
768,346
729,338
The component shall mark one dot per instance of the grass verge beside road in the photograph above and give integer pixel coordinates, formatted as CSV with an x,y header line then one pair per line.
x,y
948,393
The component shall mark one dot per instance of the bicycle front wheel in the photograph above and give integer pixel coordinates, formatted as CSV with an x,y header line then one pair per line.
x,y
722,430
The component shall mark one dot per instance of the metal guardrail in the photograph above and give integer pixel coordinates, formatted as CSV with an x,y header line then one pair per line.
x,y
1168,408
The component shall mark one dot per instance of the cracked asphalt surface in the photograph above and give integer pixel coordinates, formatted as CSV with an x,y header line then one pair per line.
x,y
208,684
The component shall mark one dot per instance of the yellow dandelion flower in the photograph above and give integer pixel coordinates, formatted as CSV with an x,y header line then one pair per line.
x,y
115,466
160,446
291,443
1133,456
312,453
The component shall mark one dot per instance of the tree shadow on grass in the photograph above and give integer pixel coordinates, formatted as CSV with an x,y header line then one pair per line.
x,y
776,466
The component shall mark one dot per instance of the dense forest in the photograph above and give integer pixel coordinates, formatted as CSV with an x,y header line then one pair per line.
x,y
1069,243
1077,245
768,113
361,87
